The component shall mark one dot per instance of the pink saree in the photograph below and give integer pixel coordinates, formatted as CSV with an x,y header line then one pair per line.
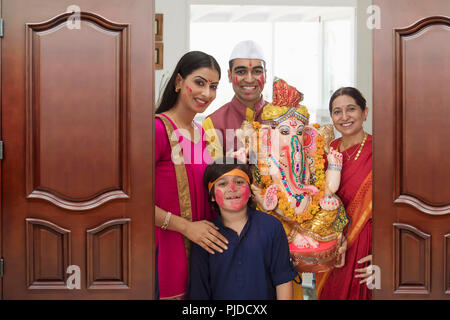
x,y
172,258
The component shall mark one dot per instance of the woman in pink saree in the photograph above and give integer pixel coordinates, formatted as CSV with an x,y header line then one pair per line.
x,y
182,212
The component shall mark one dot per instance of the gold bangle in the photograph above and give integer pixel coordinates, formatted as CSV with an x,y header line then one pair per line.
x,y
166,222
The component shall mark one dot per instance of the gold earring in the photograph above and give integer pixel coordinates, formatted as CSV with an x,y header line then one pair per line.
x,y
177,90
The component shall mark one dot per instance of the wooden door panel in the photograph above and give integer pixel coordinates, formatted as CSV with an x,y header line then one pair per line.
x,y
77,157
411,244
48,255
77,120
411,202
421,108
447,263
108,255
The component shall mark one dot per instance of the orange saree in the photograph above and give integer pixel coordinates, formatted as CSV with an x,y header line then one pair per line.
x,y
356,194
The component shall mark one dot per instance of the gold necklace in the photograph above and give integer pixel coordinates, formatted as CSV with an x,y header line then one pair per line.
x,y
359,150
362,145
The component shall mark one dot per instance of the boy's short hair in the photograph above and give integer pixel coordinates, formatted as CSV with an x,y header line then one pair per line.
x,y
220,167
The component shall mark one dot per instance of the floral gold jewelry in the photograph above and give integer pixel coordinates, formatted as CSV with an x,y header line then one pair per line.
x,y
362,145
166,222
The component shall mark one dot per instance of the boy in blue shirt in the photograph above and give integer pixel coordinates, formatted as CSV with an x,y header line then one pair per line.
x,y
256,264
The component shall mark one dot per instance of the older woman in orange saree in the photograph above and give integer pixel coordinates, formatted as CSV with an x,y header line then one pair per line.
x,y
347,281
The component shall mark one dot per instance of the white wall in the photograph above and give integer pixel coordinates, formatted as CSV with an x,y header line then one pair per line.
x,y
176,36
364,57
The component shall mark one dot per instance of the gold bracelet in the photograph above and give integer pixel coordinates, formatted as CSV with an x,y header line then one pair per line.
x,y
166,222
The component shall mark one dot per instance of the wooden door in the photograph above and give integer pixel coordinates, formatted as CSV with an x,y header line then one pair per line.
x,y
411,203
77,108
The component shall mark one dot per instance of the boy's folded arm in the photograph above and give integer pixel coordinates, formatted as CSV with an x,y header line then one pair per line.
x,y
285,291
282,269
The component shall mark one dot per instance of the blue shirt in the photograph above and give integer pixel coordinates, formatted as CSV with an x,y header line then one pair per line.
x,y
255,262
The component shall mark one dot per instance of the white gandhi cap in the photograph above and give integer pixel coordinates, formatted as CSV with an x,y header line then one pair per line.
x,y
247,49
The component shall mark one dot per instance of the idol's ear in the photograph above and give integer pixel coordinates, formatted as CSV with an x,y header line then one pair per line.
x,y
309,140
310,133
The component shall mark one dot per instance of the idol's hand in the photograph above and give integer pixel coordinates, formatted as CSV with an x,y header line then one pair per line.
x,y
205,234
340,260
364,273
334,157
257,195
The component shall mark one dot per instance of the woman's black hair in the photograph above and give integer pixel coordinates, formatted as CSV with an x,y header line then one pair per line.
x,y
220,167
188,63
349,91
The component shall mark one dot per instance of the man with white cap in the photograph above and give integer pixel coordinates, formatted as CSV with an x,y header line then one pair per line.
x,y
247,73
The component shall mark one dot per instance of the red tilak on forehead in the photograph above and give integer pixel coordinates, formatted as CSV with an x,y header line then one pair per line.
x,y
293,124
250,63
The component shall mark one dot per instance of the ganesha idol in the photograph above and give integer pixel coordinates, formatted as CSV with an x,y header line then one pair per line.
x,y
289,178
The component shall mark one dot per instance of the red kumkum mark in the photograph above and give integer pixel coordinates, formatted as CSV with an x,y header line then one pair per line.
x,y
260,85
245,195
250,63
261,82
219,197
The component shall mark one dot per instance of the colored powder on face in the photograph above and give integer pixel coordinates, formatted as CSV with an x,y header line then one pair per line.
x,y
235,81
250,64
218,194
245,195
260,84
188,89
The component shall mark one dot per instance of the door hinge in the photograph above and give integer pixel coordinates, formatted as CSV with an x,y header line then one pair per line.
x,y
1,267
1,150
1,28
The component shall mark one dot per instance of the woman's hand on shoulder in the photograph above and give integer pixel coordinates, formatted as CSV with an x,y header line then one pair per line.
x,y
205,234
